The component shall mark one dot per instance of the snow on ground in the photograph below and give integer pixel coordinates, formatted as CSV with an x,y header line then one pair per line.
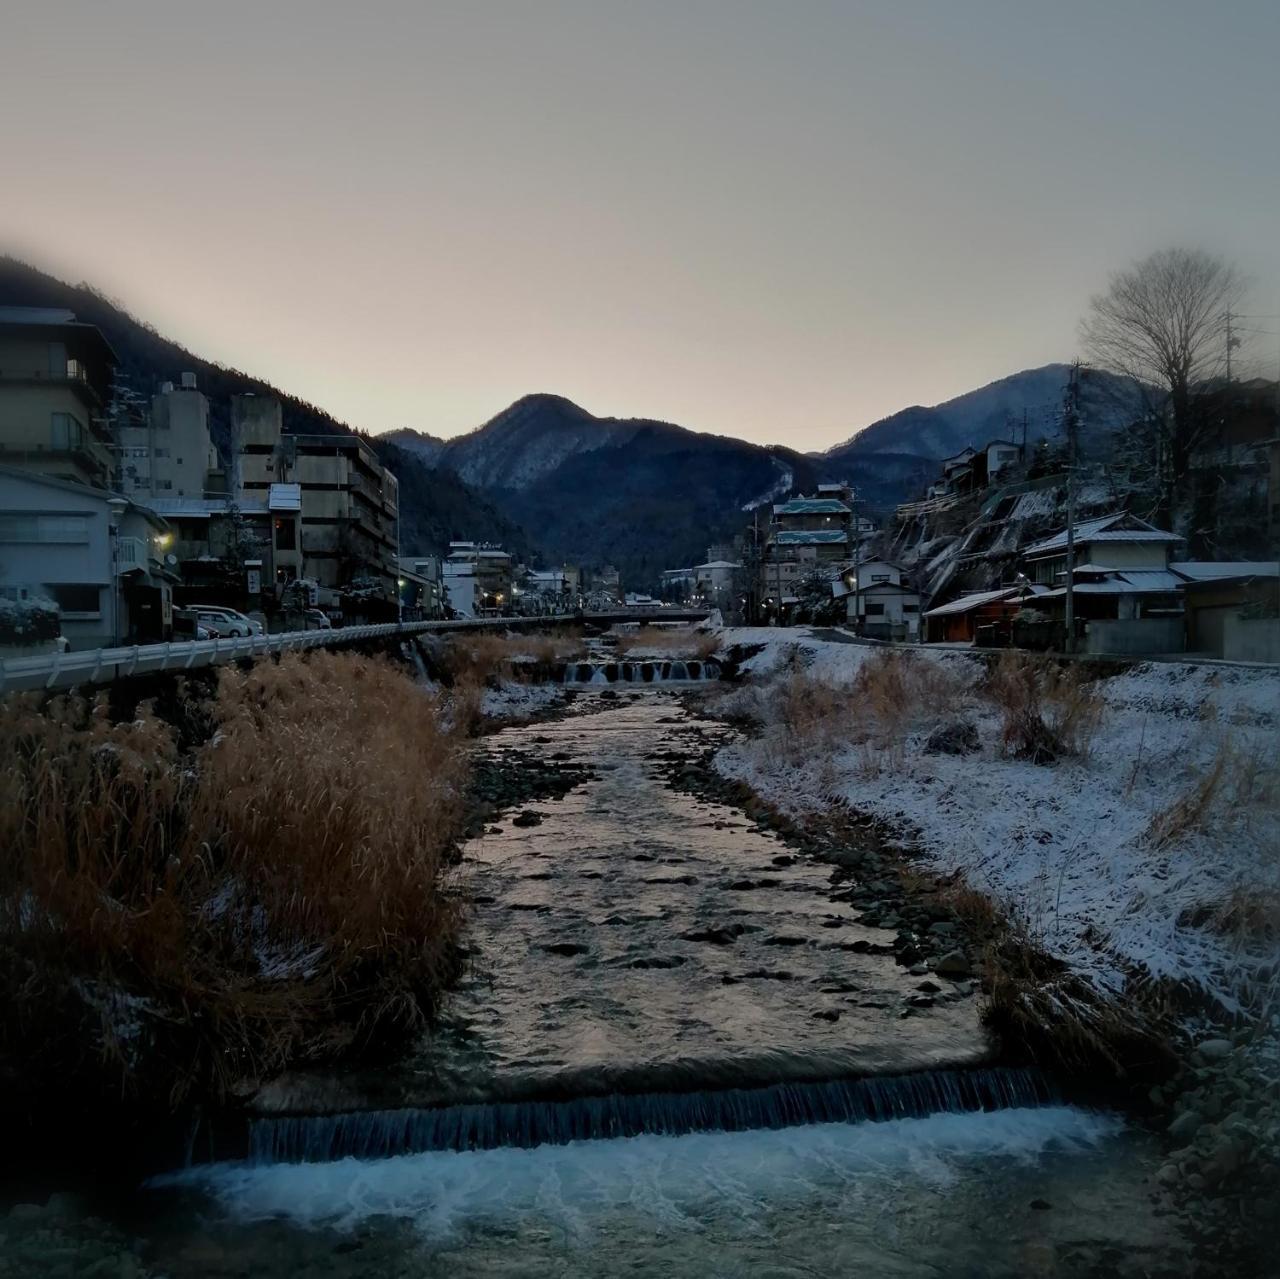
x,y
1065,847
512,700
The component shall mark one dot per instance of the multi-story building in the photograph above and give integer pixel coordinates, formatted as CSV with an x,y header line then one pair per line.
x,y
334,507
168,452
55,379
477,578
421,585
98,556
808,536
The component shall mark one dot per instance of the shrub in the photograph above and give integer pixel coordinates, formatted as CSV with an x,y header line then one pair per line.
x,y
1047,710
186,922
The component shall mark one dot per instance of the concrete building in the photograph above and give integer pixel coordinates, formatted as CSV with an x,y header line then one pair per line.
x,y
170,453
55,380
334,507
478,578
99,557
421,585
880,604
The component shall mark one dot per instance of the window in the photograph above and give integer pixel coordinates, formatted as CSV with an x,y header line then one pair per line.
x,y
164,484
35,528
911,608
81,600
875,610
286,535
66,431
879,577
159,452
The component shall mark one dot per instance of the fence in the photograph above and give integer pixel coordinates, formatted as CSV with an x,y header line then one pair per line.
x,y
102,665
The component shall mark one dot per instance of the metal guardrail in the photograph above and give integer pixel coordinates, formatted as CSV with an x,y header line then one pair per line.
x,y
103,665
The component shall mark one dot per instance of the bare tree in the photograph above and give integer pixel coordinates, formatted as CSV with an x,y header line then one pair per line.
x,y
1163,324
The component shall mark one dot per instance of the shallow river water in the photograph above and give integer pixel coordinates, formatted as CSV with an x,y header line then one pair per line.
x,y
641,942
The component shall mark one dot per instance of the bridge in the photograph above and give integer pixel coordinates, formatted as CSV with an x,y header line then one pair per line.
x,y
103,665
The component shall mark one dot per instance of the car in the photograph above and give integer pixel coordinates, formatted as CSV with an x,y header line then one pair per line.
x,y
225,622
316,620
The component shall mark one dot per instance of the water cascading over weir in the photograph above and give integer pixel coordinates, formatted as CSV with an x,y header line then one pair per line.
x,y
525,1124
641,672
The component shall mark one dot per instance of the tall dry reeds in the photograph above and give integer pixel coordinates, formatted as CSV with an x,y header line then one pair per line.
x,y
185,922
1047,710
680,643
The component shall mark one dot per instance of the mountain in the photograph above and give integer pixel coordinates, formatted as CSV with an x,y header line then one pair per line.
x,y
640,494
435,505
994,411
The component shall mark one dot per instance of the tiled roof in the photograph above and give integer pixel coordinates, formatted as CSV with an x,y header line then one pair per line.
x,y
811,537
967,603
1102,529
811,506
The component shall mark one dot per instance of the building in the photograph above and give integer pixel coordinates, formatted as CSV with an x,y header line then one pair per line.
x,y
168,452
478,579
421,585
334,507
99,557
1121,569
719,583
879,603
1232,610
957,622
55,380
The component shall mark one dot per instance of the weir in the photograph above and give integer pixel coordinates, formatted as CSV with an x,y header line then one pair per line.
x,y
379,1134
648,671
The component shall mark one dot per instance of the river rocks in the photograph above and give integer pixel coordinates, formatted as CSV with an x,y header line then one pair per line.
x,y
722,936
1214,1049
953,737
658,961
1184,1127
528,817
567,948
954,963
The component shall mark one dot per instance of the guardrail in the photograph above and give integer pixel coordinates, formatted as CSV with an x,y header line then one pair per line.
x,y
103,665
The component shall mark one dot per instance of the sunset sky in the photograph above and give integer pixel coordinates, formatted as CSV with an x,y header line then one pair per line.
x,y
773,220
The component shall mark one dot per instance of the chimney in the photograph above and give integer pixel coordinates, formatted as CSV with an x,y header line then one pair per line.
x,y
188,381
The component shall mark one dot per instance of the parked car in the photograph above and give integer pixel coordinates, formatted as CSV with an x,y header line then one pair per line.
x,y
187,625
226,622
315,620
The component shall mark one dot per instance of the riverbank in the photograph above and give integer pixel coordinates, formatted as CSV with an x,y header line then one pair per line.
x,y
1129,880
205,888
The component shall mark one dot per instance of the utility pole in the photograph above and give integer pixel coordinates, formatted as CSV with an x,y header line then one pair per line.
x,y
1071,421
1022,453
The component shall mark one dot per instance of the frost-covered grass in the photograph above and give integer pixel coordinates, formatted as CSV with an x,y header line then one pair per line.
x,y
1147,851
190,903
663,642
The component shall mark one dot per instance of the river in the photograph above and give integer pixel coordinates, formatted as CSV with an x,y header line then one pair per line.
x,y
673,1053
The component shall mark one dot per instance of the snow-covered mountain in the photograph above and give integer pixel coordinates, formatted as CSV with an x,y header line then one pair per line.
x,y
994,411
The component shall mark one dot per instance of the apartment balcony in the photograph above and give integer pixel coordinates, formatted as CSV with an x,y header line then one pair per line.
x,y
91,465
75,378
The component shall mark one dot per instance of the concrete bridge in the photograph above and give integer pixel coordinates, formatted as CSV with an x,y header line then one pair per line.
x,y
104,665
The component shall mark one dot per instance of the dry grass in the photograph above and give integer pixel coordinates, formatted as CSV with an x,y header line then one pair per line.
x,y
682,643
187,922
484,658
1048,710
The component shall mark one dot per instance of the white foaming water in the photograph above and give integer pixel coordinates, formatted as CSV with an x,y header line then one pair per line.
x,y
674,1182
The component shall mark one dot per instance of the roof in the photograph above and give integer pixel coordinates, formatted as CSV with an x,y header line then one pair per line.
x,y
1220,570
41,317
811,537
84,491
284,497
967,603
718,564
812,506
897,587
1104,528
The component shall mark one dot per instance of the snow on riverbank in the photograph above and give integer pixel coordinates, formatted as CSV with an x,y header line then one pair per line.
x,y
1067,848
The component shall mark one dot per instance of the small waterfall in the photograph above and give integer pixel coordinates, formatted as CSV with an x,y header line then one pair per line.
x,y
598,675
639,672
377,1134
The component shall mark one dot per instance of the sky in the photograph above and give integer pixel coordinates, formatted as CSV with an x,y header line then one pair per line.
x,y
780,221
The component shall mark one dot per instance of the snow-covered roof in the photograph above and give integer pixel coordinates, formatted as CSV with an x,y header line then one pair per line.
x,y
1217,570
1120,526
719,564
811,506
811,537
966,603
284,497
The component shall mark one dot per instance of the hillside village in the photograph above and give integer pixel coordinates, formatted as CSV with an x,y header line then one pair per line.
x,y
230,498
